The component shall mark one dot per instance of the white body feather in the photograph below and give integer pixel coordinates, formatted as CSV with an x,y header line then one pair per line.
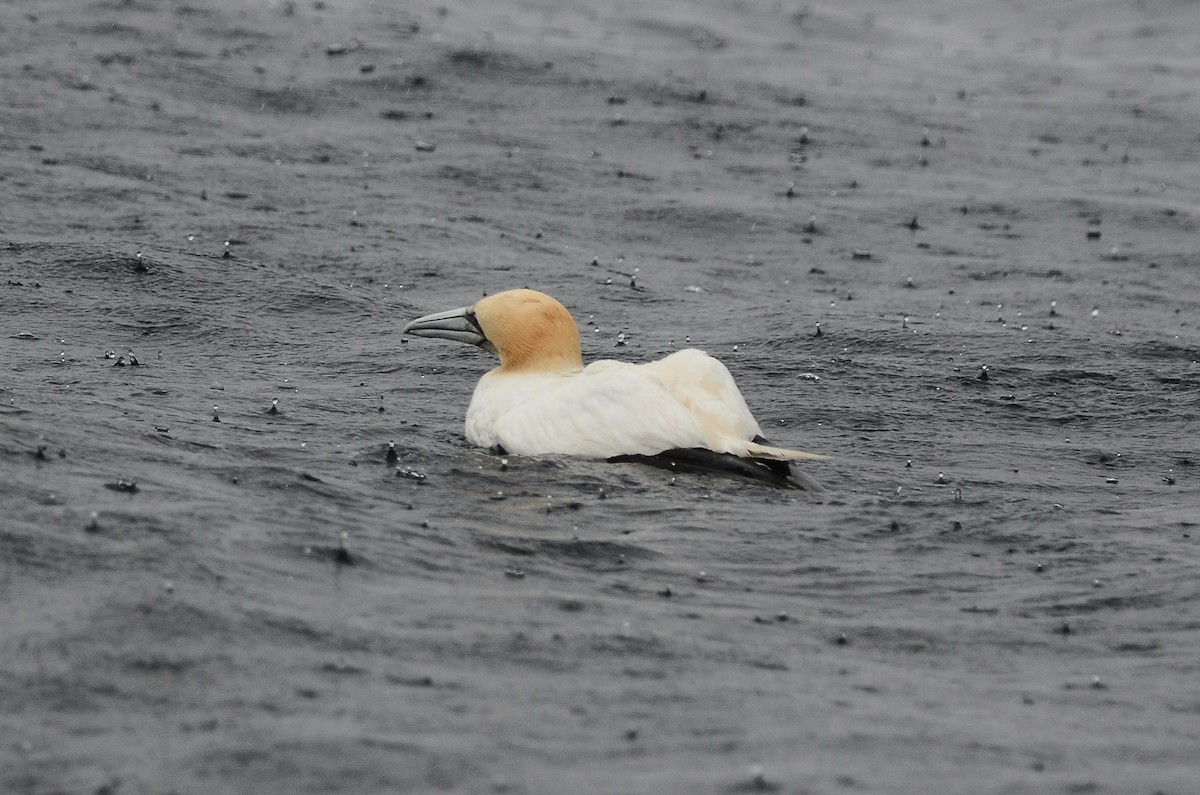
x,y
610,408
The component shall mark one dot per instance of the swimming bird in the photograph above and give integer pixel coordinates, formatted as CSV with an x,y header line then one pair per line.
x,y
682,412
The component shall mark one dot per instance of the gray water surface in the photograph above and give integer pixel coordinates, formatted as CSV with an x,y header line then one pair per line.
x,y
995,231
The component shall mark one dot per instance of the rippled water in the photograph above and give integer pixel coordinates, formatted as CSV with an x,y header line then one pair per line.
x,y
997,587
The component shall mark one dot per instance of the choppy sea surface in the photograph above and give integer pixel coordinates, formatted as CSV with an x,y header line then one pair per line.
x,y
955,256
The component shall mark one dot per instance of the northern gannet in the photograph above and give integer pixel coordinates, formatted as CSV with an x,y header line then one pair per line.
x,y
683,411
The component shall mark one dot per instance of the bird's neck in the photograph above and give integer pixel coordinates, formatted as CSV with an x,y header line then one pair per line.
x,y
542,362
549,348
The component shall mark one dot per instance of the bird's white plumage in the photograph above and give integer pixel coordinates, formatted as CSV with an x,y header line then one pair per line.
x,y
612,408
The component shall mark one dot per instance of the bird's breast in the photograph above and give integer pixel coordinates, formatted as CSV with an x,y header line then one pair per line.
x,y
501,402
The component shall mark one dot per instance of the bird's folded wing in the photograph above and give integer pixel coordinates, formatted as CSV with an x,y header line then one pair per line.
x,y
706,389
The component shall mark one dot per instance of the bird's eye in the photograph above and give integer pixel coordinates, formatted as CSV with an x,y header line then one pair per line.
x,y
474,321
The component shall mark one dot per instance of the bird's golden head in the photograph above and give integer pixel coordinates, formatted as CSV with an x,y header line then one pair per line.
x,y
528,330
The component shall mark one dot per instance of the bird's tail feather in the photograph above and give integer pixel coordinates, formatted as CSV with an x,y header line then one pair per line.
x,y
757,450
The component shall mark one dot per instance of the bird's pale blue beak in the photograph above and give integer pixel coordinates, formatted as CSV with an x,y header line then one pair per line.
x,y
456,324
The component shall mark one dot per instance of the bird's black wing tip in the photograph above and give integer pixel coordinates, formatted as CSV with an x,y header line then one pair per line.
x,y
780,474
